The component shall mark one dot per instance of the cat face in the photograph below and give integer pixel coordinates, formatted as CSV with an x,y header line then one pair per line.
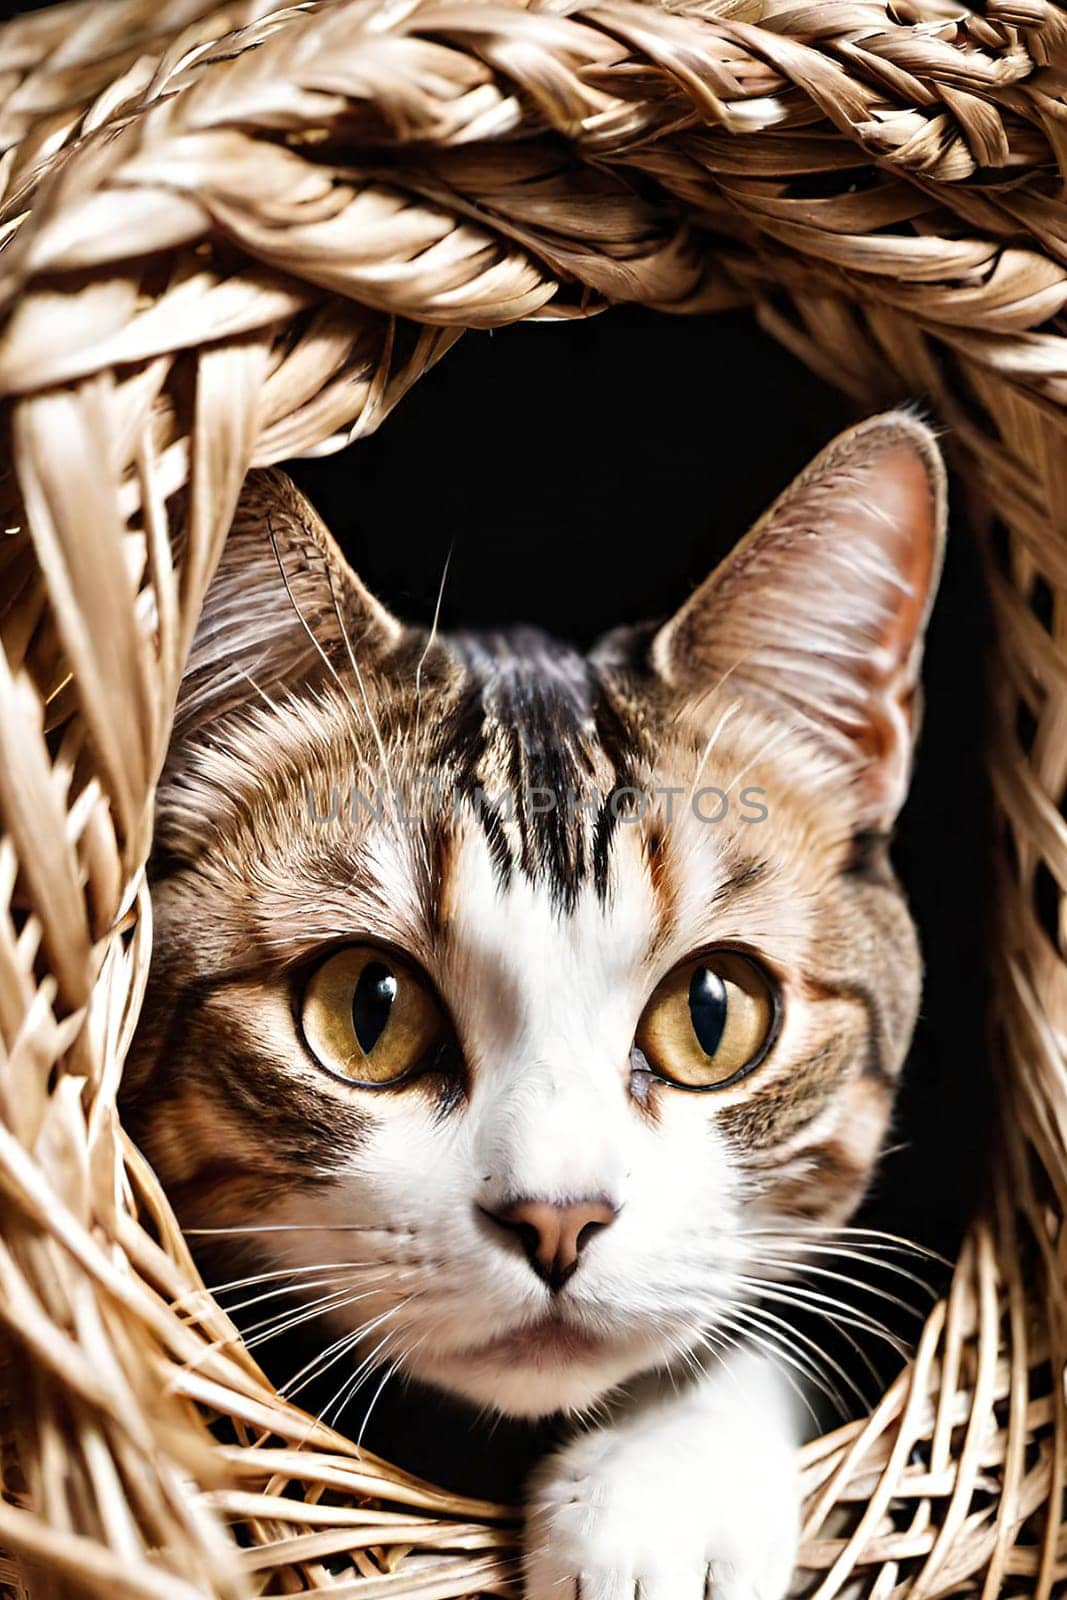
x,y
530,1006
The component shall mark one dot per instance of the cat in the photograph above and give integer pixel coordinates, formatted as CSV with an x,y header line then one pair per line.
x,y
544,1007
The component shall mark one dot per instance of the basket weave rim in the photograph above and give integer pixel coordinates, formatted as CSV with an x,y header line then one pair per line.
x,y
234,235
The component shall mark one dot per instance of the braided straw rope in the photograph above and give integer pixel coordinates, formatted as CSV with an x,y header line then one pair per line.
x,y
234,234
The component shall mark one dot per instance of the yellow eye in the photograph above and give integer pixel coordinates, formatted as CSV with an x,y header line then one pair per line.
x,y
368,1016
709,1022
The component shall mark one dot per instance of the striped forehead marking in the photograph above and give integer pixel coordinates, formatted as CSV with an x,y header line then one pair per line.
x,y
535,720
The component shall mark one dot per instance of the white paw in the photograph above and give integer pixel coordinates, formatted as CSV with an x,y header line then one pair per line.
x,y
674,1505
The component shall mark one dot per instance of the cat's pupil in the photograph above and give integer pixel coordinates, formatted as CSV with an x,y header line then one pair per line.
x,y
372,1003
707,1008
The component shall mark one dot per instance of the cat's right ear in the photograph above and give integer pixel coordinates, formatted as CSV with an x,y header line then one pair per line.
x,y
282,604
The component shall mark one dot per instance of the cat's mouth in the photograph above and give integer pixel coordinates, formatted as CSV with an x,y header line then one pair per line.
x,y
554,1363
550,1340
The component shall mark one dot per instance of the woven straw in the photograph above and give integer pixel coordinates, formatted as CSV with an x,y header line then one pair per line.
x,y
234,235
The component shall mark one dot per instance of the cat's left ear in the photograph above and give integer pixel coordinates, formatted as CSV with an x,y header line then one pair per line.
x,y
283,612
820,612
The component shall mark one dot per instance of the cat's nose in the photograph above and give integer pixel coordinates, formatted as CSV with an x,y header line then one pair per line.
x,y
554,1236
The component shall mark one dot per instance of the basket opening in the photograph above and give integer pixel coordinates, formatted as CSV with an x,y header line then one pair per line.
x,y
582,477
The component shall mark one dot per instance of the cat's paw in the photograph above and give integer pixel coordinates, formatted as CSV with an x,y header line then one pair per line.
x,y
677,1507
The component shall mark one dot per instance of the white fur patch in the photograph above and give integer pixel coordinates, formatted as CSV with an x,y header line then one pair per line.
x,y
694,1497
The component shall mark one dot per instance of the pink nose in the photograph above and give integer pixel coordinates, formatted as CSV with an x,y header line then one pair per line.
x,y
554,1236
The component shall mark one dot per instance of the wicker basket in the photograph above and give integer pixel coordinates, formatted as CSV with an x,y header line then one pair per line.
x,y
233,234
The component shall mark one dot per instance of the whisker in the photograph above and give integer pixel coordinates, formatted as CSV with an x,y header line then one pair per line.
x,y
428,646
394,1368
323,1360
694,705
337,1300
769,1341
194,1300
789,731
796,1282
811,1299
300,1227
695,1366
336,1351
389,1371
338,1392
713,738
761,1316
356,1379
800,1251
732,1343
284,1289
263,695
352,1277
736,1338
372,720
868,1288
841,1321
277,1273
803,1248
874,1239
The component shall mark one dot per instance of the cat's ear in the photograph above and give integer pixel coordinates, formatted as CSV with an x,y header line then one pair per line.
x,y
282,604
820,611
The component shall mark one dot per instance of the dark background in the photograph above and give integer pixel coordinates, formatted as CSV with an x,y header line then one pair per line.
x,y
588,474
